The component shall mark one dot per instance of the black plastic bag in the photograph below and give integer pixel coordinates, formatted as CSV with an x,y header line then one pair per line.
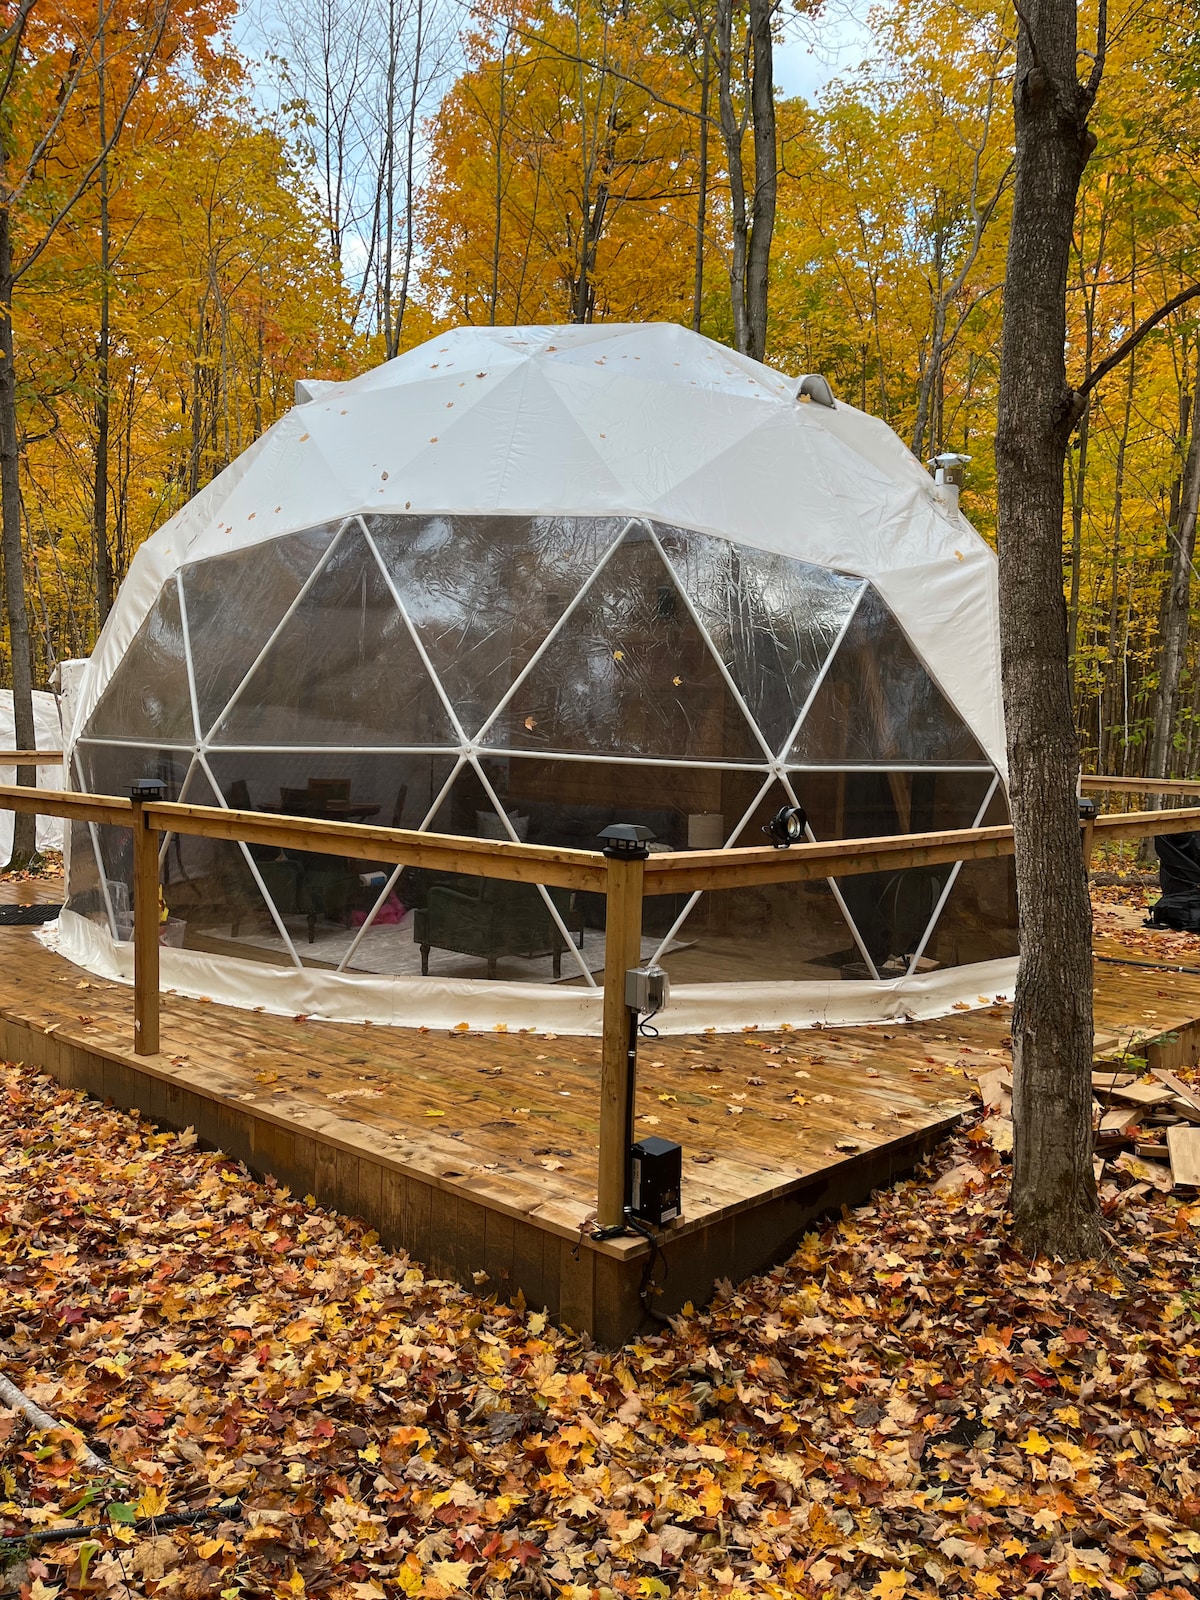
x,y
1179,879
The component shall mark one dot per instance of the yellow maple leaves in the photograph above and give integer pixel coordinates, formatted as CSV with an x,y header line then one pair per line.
x,y
891,1584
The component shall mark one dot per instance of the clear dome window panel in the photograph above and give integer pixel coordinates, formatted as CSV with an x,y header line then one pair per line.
x,y
342,670
567,803
866,805
384,790
233,604
325,901
773,933
148,696
483,592
877,702
979,919
629,673
111,769
85,894
773,620
891,911
214,901
734,807
997,814
457,925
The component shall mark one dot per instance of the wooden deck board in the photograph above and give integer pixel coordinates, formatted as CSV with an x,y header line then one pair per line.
x,y
466,1147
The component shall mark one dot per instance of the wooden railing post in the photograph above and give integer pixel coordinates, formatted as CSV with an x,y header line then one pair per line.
x,y
145,926
622,950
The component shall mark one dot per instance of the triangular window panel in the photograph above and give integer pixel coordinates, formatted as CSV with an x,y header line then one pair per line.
x,y
858,804
211,887
877,702
343,669
483,592
472,927
772,619
233,604
628,674
979,920
147,696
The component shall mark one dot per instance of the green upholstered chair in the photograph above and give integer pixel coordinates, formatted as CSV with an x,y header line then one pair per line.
x,y
489,918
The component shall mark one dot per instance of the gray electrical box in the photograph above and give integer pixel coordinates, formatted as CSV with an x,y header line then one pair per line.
x,y
647,989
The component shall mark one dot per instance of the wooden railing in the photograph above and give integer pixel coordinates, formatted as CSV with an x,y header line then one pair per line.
x,y
625,881
1098,783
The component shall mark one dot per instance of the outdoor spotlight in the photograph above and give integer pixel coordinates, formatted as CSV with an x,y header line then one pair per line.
x,y
786,826
147,789
628,839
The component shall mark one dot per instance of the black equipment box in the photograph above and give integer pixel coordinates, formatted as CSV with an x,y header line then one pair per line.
x,y
657,1178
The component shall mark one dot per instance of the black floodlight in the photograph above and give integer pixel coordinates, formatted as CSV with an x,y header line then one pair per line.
x,y
627,839
147,789
786,826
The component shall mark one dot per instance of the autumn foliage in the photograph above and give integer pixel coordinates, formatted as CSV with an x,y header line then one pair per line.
x,y
575,158
905,1408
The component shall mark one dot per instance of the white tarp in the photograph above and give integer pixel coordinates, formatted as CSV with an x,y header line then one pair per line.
x,y
445,1002
627,420
49,737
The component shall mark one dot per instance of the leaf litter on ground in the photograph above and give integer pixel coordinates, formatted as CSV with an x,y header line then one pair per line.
x,y
906,1408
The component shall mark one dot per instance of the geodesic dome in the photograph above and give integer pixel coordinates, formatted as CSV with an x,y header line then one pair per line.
x,y
523,583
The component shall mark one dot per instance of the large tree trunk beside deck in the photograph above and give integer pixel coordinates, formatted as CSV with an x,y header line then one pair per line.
x,y
24,847
1054,1193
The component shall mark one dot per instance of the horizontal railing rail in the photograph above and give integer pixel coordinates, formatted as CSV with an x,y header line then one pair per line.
x,y
31,758
1104,782
625,880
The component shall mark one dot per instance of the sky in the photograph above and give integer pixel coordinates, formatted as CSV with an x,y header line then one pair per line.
x,y
811,54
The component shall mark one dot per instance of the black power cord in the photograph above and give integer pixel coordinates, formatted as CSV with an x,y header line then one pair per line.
x,y
647,1283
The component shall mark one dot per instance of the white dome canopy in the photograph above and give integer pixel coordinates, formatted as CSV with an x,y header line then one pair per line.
x,y
627,420
523,583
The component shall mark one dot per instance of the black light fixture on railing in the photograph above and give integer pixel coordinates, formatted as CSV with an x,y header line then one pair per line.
x,y
628,839
786,826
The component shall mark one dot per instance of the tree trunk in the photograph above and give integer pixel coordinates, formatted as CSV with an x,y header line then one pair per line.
x,y
732,133
410,159
24,848
1115,663
103,565
1054,1193
766,173
702,196
1078,492
931,370
1177,602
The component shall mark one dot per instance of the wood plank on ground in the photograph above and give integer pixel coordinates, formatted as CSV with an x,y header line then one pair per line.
x,y
1183,1145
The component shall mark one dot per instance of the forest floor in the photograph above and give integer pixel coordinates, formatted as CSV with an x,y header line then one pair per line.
x,y
906,1408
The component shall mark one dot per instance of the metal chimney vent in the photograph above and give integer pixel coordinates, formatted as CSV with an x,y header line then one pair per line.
x,y
815,388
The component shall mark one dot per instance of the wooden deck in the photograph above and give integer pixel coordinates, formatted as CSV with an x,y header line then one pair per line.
x,y
477,1152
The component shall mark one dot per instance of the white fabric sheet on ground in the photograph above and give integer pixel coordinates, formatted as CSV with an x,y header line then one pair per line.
x,y
553,1008
49,737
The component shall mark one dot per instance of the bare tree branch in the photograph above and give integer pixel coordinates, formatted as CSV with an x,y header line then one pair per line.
x,y
1097,72
1129,344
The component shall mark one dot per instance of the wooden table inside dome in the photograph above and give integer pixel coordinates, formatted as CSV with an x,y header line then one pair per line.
x,y
476,1152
